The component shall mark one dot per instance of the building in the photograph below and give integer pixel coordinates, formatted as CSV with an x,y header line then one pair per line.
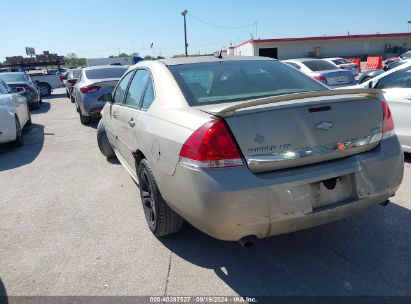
x,y
386,45
112,61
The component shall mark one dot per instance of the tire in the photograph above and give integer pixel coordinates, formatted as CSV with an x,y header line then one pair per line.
x,y
36,106
72,99
45,89
102,141
67,93
19,136
366,79
29,122
161,219
85,120
41,100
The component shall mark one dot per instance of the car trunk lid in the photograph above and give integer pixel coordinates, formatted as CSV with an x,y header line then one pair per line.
x,y
292,131
338,77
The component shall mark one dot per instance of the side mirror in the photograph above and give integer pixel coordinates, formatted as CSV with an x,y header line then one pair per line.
x,y
370,84
20,90
106,98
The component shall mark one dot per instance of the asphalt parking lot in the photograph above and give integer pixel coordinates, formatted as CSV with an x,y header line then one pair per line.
x,y
71,223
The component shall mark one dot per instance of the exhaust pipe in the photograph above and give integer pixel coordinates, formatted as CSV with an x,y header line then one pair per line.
x,y
247,241
384,204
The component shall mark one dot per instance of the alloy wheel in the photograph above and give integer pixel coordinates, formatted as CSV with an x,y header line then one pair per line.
x,y
147,197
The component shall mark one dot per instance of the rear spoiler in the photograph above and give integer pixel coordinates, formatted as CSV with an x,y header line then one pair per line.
x,y
229,111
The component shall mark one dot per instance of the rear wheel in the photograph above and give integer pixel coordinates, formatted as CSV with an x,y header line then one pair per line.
x,y
102,141
72,99
161,219
19,136
29,120
45,89
366,79
85,120
67,93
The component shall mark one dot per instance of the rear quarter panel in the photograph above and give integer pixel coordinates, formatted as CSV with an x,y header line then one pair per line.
x,y
165,126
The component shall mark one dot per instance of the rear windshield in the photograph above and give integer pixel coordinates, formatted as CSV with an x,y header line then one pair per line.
x,y
13,77
105,73
219,82
340,61
319,65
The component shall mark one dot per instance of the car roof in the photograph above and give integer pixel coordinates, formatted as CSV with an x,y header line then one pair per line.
x,y
99,67
302,59
202,59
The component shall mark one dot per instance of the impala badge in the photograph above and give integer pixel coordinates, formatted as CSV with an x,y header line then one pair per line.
x,y
324,125
259,138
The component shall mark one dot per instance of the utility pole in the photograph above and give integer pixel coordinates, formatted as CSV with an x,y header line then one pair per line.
x,y
184,13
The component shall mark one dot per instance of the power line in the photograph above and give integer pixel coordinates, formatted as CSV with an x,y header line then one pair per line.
x,y
222,26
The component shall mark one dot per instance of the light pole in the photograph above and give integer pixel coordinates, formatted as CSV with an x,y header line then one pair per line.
x,y
184,13
409,22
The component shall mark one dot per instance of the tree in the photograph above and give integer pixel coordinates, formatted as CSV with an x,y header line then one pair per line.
x,y
123,55
72,56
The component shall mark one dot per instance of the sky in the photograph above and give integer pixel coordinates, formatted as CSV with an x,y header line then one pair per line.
x,y
95,29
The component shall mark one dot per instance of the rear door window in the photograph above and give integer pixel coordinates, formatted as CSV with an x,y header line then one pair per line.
x,y
137,87
121,88
148,95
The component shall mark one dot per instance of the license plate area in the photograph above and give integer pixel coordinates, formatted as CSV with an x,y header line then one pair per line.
x,y
332,191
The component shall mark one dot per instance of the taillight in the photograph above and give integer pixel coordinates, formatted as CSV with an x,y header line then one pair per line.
x,y
25,86
72,84
211,146
90,89
320,78
388,123
61,78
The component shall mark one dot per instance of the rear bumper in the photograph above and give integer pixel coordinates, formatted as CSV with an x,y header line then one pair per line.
x,y
229,204
90,106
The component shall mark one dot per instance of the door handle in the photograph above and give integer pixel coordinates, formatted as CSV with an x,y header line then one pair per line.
x,y
115,114
131,123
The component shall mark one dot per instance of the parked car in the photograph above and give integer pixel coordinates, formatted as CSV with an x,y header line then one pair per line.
x,y
14,115
396,86
247,146
344,64
367,75
71,81
323,71
92,83
23,82
406,55
45,83
395,64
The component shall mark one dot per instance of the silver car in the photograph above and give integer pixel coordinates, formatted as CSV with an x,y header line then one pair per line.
x,y
70,82
92,83
323,71
344,64
27,88
247,146
396,86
